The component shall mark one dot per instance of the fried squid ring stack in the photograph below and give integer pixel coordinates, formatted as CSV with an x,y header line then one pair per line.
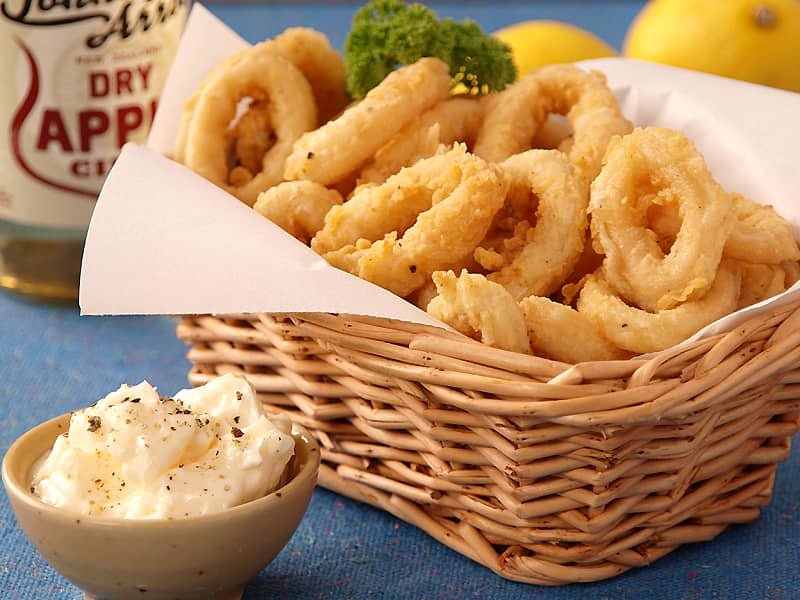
x,y
426,218
666,229
515,115
614,243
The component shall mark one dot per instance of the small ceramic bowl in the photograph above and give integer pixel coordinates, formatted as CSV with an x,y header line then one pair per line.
x,y
211,556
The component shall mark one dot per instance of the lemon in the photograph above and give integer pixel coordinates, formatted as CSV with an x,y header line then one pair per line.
x,y
538,43
752,40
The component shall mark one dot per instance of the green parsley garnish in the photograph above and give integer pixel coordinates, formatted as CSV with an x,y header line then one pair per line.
x,y
388,33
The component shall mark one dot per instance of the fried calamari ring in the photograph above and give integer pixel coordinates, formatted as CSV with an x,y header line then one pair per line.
x,y
374,210
658,165
641,331
311,52
442,207
515,115
759,235
308,50
261,76
328,154
297,207
454,120
539,261
760,282
480,309
562,333
189,105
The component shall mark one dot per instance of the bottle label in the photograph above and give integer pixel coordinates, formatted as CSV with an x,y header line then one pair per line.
x,y
81,78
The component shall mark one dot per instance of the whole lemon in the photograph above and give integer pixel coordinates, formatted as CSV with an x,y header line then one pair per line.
x,y
538,43
751,40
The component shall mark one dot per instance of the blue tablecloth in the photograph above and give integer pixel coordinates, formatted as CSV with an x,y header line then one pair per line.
x,y
52,361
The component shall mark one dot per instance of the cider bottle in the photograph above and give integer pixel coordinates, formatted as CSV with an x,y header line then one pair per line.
x,y
79,79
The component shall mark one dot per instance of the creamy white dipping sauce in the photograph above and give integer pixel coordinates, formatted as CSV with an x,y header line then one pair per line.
x,y
135,455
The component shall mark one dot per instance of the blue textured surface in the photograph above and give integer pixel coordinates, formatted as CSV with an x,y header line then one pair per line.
x,y
52,361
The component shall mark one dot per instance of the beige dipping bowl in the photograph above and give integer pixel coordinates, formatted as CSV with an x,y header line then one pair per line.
x,y
211,556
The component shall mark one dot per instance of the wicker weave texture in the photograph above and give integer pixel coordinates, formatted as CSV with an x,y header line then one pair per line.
x,y
544,472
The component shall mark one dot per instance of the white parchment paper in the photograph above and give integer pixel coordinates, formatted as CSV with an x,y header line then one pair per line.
x,y
163,240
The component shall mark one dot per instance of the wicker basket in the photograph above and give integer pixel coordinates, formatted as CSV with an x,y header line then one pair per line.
x,y
544,472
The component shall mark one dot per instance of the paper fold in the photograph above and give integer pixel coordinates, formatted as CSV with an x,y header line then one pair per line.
x,y
164,241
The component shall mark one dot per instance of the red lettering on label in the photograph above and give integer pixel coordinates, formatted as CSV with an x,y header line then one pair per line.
x,y
21,114
124,81
53,131
102,166
91,123
98,84
144,73
85,168
79,168
129,118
